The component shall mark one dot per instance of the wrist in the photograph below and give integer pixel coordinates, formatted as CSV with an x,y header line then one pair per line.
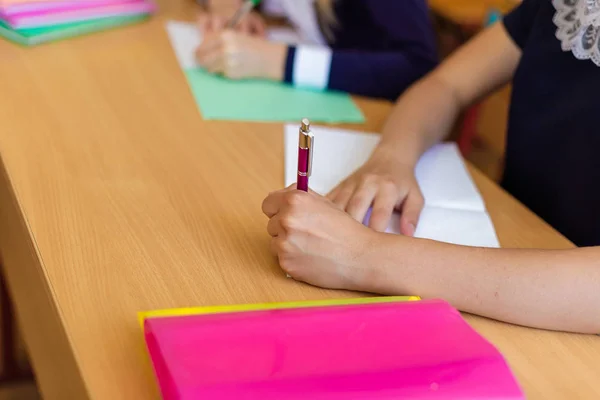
x,y
394,155
372,264
401,151
396,265
276,61
405,266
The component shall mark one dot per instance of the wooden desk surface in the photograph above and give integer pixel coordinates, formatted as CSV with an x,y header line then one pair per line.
x,y
471,12
116,197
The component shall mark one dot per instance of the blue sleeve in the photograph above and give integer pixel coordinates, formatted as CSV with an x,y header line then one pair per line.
x,y
519,21
376,74
385,73
372,74
388,73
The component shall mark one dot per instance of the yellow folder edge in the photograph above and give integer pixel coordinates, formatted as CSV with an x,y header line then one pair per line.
x,y
174,312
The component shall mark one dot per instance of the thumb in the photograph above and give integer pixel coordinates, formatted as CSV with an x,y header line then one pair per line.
x,y
243,26
202,22
215,24
258,28
293,187
411,210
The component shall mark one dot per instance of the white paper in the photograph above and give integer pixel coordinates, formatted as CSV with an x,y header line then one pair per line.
x,y
464,227
454,210
283,35
273,8
185,39
445,181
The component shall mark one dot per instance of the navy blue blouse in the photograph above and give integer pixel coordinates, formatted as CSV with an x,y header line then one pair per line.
x,y
553,145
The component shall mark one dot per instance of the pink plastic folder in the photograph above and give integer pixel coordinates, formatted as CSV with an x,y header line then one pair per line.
x,y
395,350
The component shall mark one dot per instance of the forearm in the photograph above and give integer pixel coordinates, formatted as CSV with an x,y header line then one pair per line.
x,y
550,289
422,116
427,111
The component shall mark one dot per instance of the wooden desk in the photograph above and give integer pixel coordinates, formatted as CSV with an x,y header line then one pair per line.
x,y
469,12
116,197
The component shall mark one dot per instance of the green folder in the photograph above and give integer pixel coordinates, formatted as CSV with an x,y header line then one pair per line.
x,y
257,100
34,36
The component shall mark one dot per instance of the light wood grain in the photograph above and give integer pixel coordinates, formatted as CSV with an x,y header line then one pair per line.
x,y
470,12
116,197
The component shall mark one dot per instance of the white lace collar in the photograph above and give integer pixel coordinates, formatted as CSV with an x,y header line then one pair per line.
x,y
578,23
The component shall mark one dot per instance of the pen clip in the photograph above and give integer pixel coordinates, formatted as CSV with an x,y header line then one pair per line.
x,y
311,149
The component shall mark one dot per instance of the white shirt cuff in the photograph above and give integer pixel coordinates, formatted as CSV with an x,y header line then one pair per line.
x,y
312,65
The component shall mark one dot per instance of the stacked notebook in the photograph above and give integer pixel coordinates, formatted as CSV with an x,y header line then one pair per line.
x,y
31,22
374,348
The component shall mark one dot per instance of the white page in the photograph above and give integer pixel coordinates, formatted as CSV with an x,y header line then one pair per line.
x,y
441,173
185,39
462,227
445,180
273,8
454,210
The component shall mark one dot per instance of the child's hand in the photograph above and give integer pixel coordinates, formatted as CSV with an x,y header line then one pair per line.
x,y
318,243
386,183
253,24
239,56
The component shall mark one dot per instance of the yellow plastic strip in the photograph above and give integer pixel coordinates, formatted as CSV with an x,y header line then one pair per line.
x,y
268,306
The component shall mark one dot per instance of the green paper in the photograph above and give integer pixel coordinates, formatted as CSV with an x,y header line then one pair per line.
x,y
257,100
33,36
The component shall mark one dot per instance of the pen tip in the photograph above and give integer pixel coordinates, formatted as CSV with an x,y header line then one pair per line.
x,y
305,124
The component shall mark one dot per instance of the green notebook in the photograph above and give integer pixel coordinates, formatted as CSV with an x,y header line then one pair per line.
x,y
34,36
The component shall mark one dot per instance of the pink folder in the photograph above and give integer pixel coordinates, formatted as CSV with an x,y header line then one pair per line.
x,y
11,9
72,12
406,350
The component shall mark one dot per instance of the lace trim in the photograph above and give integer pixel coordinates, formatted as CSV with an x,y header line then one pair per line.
x,y
578,23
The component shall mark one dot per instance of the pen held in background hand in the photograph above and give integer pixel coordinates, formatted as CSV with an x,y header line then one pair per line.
x,y
244,9
305,155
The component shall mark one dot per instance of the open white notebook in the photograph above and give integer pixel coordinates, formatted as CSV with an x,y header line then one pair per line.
x,y
454,210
